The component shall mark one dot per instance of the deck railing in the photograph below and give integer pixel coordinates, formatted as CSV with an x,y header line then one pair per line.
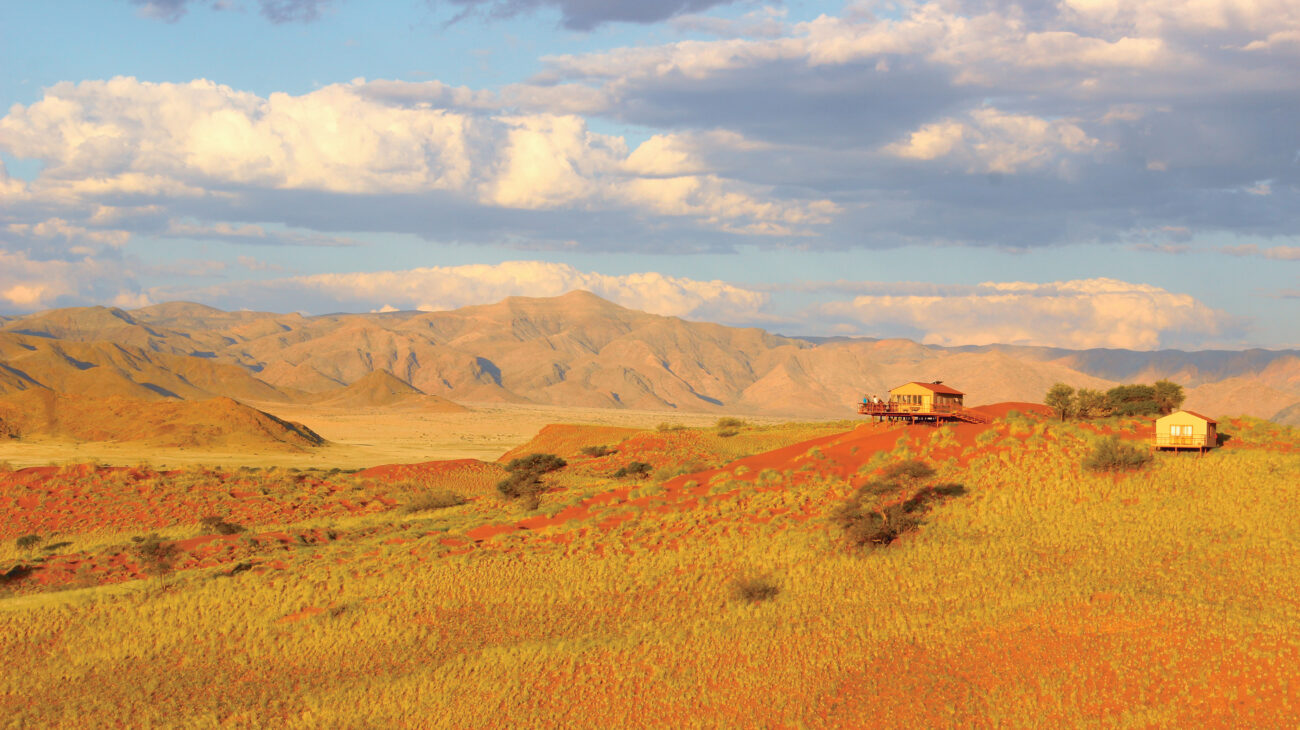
x,y
904,409
1188,441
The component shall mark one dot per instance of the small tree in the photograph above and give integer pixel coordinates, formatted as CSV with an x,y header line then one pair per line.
x,y
1132,400
1060,398
1168,396
1089,403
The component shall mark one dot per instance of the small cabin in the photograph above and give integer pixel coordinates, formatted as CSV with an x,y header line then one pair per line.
x,y
916,397
1186,430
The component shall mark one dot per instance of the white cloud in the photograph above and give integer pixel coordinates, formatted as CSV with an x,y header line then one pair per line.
x,y
123,136
57,230
449,287
993,141
1077,314
28,284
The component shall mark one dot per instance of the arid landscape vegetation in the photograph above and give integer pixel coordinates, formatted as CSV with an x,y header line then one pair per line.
x,y
237,519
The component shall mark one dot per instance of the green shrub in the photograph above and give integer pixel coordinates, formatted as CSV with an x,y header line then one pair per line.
x,y
635,470
433,500
1112,454
27,542
755,589
156,555
730,423
525,480
597,451
883,509
220,525
727,432
666,426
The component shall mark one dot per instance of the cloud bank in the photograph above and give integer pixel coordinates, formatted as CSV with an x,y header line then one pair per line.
x,y
1076,314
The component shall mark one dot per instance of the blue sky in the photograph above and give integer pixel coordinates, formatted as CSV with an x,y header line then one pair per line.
x,y
1081,173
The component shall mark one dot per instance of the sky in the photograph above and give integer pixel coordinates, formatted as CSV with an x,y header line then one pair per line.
x,y
1081,173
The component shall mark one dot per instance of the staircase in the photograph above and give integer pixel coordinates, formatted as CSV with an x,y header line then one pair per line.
x,y
970,416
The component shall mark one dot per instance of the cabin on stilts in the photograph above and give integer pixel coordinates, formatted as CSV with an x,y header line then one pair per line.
x,y
1186,430
918,402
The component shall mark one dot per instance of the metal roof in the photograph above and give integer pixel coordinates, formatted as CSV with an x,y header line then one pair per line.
x,y
1193,413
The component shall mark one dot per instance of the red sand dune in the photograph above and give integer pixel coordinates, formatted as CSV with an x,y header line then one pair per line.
x,y
567,440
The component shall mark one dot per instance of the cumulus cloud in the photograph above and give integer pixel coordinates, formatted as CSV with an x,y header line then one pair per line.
x,y
28,284
1000,122
1148,115
1076,314
448,287
587,14
108,139
992,141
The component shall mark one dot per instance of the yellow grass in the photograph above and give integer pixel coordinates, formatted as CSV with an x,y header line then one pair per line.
x,y
1045,597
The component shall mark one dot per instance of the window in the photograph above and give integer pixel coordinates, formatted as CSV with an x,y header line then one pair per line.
x,y
1184,431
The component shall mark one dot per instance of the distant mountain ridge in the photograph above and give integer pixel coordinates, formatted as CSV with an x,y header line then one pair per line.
x,y
580,350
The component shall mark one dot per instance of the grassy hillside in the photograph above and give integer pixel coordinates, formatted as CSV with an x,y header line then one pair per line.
x,y
1036,595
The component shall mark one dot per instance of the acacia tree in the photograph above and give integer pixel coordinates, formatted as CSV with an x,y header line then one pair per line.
x,y
1089,403
1060,398
1168,396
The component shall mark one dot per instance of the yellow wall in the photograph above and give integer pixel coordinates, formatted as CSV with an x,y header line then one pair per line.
x,y
1201,429
925,395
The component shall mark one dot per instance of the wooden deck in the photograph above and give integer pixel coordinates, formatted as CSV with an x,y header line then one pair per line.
x,y
914,414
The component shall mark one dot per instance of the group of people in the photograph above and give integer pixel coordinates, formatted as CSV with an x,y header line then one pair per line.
x,y
874,400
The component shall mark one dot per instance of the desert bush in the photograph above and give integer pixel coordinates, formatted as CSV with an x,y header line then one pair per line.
x,y
730,423
689,467
27,542
727,432
635,470
755,589
885,508
597,451
667,426
1112,454
156,555
525,480
220,526
433,500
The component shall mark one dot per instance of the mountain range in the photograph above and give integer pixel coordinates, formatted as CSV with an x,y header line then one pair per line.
x,y
578,350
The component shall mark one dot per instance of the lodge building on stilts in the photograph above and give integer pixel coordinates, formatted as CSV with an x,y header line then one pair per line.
x,y
918,402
